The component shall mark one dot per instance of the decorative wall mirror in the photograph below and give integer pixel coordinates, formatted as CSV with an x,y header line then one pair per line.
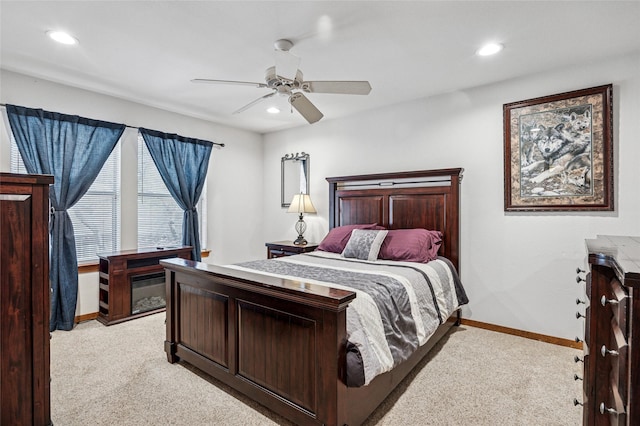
x,y
294,176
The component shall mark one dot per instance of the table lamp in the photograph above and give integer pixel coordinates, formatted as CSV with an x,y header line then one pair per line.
x,y
301,203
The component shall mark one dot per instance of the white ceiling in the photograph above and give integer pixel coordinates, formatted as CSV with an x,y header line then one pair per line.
x,y
148,51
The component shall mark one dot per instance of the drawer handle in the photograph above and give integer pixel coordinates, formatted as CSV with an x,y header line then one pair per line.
x,y
577,359
579,315
576,377
579,279
578,270
604,351
576,402
604,301
605,409
578,301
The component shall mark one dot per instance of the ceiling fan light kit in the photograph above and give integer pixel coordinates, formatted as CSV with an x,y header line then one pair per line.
x,y
286,79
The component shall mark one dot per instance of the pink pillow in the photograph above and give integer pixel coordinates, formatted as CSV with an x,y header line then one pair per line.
x,y
337,238
411,245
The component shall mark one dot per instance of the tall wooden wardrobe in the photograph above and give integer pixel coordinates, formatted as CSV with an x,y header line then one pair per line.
x,y
24,299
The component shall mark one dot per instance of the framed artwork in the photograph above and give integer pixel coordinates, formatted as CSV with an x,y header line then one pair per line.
x,y
558,152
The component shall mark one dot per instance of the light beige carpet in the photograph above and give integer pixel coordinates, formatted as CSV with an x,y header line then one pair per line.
x,y
119,375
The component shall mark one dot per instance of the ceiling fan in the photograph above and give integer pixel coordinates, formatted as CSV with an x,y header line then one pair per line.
x,y
285,79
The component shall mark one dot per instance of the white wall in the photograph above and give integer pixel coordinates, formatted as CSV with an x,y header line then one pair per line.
x,y
234,175
518,268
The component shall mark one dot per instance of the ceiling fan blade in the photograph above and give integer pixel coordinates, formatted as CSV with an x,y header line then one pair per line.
x,y
243,83
252,103
287,64
340,87
305,107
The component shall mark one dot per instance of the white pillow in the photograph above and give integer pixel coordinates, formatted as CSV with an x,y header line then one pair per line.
x,y
364,244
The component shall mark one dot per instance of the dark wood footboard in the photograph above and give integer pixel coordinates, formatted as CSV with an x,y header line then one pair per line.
x,y
280,342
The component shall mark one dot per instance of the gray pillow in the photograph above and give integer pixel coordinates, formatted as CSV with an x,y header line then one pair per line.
x,y
364,244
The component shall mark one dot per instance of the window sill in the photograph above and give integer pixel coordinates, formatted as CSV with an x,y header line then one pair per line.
x,y
85,268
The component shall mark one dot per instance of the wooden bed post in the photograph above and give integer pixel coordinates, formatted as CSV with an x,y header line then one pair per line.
x,y
454,226
172,311
332,393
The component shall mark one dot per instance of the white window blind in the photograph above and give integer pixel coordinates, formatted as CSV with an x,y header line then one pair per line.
x,y
159,216
96,217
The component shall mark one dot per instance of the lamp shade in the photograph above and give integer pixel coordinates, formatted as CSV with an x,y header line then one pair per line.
x,y
301,203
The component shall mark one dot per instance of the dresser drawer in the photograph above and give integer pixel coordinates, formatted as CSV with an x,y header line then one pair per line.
x,y
613,407
618,358
618,299
280,253
587,331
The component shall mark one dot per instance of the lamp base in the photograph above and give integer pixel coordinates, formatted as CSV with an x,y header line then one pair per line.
x,y
300,241
300,228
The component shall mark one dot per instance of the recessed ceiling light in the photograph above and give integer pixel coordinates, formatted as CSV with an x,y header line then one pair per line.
x,y
273,110
324,27
490,49
62,37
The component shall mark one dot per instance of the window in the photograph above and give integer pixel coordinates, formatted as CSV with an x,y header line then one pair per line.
x,y
159,216
96,217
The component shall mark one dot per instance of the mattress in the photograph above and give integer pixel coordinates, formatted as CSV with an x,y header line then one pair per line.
x,y
398,305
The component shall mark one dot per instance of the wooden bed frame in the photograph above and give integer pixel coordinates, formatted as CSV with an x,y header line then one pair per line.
x,y
282,342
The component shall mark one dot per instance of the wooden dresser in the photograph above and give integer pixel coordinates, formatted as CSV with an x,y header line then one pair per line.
x,y
612,332
24,299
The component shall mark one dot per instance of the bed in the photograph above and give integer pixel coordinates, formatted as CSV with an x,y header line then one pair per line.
x,y
283,341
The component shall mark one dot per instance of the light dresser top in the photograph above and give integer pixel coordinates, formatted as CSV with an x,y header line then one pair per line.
x,y
622,253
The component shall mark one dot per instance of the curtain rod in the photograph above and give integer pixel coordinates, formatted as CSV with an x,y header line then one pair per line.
x,y
134,127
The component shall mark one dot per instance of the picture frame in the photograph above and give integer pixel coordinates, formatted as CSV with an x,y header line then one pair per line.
x,y
558,153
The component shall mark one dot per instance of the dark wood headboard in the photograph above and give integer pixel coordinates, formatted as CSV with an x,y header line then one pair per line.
x,y
427,199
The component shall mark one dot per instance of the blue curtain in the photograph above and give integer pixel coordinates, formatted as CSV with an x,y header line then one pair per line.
x,y
73,149
182,163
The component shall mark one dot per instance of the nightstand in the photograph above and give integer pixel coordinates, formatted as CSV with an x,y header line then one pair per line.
x,y
287,248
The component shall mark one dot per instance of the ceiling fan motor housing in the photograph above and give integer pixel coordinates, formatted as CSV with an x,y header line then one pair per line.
x,y
274,81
